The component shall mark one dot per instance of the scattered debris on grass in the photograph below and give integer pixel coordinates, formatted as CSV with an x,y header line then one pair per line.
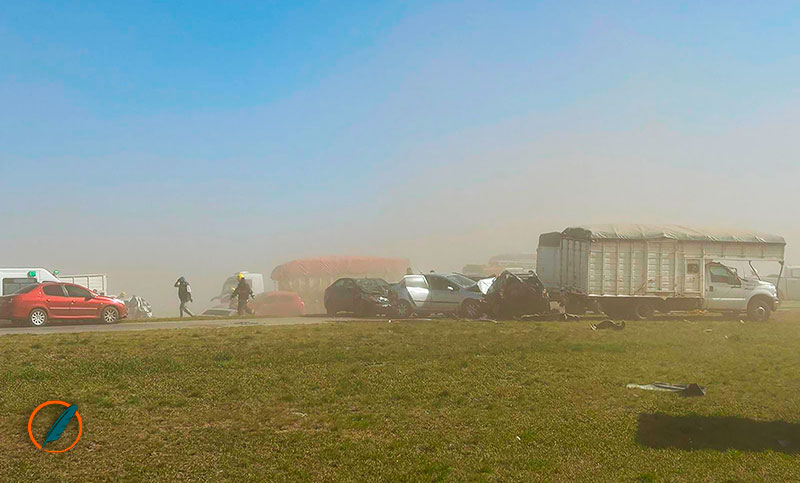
x,y
608,324
555,315
682,389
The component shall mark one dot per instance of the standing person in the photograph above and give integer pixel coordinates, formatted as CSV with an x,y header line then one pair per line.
x,y
243,292
184,295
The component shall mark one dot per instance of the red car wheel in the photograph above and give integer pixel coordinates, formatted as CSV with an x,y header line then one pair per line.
x,y
37,317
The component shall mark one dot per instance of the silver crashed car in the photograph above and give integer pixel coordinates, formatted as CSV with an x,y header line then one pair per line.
x,y
433,293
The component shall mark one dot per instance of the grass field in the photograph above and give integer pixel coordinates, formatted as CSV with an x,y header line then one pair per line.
x,y
410,401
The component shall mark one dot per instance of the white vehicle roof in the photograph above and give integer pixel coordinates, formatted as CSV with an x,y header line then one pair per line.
x,y
670,232
42,274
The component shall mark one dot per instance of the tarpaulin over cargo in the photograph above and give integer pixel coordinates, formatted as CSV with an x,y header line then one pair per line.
x,y
669,232
340,267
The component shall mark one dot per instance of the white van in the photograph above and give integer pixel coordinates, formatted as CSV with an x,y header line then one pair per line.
x,y
13,279
255,280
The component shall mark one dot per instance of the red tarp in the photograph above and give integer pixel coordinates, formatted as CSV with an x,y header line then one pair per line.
x,y
340,267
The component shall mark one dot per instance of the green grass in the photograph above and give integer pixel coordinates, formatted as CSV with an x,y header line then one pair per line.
x,y
411,401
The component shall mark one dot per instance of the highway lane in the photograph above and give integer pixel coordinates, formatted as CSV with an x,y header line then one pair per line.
x,y
72,327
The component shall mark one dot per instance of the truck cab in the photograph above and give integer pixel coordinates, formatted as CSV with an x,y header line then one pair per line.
x,y
727,292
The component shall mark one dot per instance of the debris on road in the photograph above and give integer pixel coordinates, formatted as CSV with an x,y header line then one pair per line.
x,y
687,390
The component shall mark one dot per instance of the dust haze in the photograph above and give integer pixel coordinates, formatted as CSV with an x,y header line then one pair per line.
x,y
441,205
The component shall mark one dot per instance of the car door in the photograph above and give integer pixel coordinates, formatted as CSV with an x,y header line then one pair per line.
x,y
341,295
418,290
725,290
445,294
350,295
333,299
82,302
56,301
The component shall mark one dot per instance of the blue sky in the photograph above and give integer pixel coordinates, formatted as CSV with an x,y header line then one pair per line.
x,y
442,131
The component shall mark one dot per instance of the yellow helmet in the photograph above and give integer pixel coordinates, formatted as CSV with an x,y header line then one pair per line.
x,y
240,276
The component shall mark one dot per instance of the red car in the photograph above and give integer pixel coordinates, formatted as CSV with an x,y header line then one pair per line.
x,y
279,304
41,302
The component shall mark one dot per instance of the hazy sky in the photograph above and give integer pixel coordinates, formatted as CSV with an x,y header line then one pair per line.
x,y
201,138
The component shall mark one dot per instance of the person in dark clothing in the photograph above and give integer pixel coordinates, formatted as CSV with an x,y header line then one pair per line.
x,y
184,295
243,292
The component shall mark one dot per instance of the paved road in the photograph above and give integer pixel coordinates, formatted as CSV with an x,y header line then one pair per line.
x,y
71,327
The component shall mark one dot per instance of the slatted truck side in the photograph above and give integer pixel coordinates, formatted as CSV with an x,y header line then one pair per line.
x,y
635,270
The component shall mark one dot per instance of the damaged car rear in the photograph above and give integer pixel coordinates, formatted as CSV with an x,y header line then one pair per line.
x,y
360,296
515,295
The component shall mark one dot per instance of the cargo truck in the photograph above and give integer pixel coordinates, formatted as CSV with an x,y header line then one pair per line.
x,y
96,282
632,271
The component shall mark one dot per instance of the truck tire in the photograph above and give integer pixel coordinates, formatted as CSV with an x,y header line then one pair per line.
x,y
38,317
759,310
642,310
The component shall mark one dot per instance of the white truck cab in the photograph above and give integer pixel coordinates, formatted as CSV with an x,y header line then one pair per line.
x,y
726,291
13,279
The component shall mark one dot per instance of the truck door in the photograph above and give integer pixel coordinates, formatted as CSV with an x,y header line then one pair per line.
x,y
693,278
725,290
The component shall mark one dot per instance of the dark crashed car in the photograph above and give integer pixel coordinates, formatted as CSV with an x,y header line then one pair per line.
x,y
360,296
515,295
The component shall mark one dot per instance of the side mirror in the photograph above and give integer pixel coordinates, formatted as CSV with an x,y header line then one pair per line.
x,y
89,297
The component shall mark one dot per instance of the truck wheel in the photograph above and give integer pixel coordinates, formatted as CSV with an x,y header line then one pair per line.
x,y
402,309
37,317
643,310
759,310
471,309
110,315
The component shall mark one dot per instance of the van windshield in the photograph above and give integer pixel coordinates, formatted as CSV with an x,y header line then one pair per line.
x,y
14,285
25,289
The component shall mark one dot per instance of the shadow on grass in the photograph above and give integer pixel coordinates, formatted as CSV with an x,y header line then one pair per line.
x,y
719,433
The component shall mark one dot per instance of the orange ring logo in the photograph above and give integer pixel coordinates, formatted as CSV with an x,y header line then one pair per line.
x,y
30,423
